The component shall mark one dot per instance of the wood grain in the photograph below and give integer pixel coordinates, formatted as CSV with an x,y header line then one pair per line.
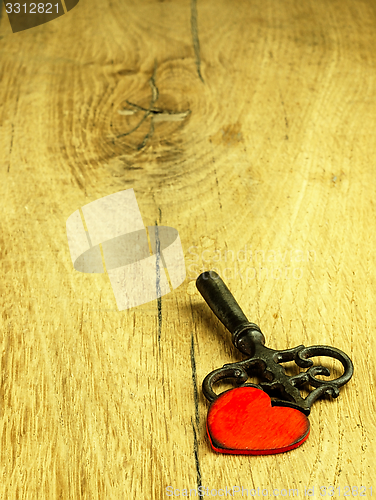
x,y
247,126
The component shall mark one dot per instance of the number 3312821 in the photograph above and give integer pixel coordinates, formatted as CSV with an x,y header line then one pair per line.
x,y
33,8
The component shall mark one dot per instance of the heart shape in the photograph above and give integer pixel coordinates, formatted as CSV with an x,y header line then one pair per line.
x,y
243,421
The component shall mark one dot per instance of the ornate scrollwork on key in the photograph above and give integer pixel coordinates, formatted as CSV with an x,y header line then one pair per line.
x,y
264,362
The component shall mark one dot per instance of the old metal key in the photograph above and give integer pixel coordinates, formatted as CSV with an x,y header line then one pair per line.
x,y
245,420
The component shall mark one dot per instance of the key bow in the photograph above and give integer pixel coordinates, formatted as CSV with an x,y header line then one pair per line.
x,y
264,361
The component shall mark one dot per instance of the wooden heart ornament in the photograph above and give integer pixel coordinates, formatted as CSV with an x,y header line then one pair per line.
x,y
243,421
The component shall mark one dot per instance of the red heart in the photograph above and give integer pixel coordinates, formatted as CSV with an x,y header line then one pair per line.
x,y
243,421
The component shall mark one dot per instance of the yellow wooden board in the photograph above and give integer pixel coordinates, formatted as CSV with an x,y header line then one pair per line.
x,y
259,148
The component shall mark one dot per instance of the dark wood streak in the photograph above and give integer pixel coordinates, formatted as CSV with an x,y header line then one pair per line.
x,y
195,450
195,40
196,423
194,381
11,141
158,286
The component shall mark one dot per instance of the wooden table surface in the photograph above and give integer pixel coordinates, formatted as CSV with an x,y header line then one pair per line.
x,y
259,148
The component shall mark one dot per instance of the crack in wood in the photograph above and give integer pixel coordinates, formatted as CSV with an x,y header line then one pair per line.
x,y
159,115
11,147
158,284
156,114
197,461
194,381
195,39
195,425
147,136
154,97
